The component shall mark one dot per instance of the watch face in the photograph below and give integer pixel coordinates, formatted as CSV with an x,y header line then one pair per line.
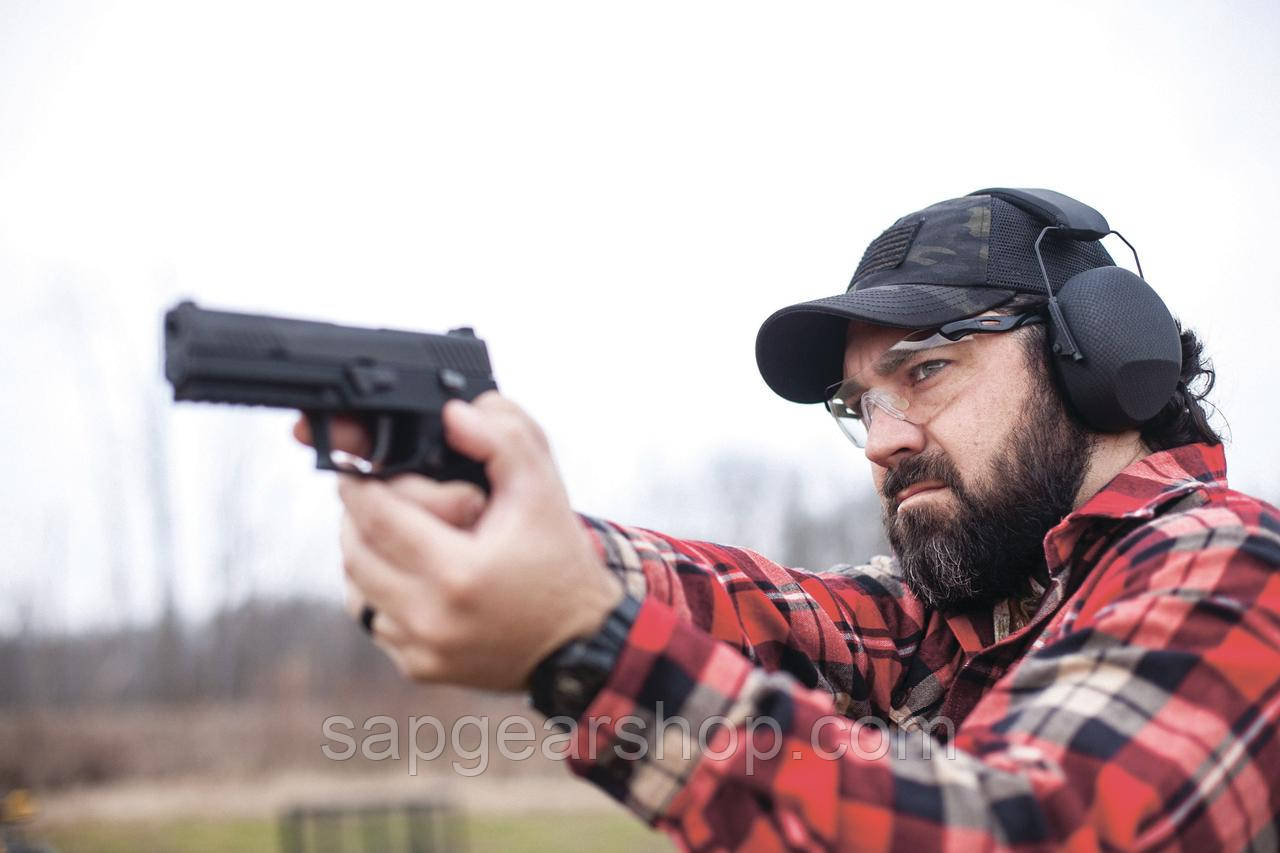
x,y
569,688
563,685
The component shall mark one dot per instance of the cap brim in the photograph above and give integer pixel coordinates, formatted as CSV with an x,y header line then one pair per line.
x,y
800,349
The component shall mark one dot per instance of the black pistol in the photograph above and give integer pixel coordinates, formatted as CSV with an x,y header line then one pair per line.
x,y
394,382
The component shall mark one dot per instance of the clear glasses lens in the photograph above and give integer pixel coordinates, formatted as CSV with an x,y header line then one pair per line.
x,y
855,416
922,372
848,416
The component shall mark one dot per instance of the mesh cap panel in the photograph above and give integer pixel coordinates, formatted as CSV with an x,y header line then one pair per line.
x,y
1011,258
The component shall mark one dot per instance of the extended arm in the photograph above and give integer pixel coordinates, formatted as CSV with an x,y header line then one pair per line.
x,y
849,633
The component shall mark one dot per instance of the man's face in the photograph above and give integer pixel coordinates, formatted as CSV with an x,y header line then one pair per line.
x,y
969,494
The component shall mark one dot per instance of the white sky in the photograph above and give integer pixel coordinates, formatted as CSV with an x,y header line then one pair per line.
x,y
613,195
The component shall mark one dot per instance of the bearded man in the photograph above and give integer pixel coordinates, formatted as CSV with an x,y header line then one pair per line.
x,y
1076,642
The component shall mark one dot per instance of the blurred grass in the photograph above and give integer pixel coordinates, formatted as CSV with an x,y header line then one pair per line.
x,y
563,832
481,834
188,836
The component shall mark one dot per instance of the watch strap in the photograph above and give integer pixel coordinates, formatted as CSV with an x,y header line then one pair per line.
x,y
566,682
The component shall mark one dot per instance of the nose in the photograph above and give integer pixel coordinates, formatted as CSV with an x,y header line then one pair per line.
x,y
890,440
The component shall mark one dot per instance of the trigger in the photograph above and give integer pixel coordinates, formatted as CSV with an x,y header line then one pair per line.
x,y
381,441
319,423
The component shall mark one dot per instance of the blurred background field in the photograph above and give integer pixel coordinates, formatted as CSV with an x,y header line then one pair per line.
x,y
569,832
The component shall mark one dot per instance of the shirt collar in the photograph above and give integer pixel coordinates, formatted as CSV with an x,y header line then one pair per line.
x,y
1140,490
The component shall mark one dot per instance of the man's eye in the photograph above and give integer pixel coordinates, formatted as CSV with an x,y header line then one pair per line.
x,y
926,369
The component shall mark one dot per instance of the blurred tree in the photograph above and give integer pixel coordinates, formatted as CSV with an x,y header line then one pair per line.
x,y
770,507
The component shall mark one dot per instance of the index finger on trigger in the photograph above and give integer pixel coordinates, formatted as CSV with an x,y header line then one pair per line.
x,y
345,434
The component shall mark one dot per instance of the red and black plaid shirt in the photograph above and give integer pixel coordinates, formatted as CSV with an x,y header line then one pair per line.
x,y
1131,701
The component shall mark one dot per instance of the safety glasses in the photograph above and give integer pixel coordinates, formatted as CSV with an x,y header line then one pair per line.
x,y
918,376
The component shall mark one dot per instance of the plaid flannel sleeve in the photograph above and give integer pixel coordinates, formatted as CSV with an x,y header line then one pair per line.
x,y
849,632
1146,717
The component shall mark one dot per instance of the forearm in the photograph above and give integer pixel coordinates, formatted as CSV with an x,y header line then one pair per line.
x,y
842,632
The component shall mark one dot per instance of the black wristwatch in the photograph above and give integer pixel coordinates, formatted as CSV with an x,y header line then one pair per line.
x,y
567,680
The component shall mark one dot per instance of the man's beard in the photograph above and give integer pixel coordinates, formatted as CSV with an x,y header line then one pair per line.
x,y
987,549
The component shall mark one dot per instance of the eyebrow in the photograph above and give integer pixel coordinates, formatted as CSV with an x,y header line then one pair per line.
x,y
890,360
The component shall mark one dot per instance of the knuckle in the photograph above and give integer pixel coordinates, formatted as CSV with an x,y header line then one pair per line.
x,y
377,523
459,590
460,492
350,564
423,667
420,627
452,498
446,644
470,506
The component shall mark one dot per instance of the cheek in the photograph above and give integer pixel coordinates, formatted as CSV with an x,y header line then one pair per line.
x,y
972,429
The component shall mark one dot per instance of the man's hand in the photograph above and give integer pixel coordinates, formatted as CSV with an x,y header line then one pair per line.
x,y
470,591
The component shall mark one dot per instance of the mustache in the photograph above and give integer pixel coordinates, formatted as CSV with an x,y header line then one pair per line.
x,y
917,469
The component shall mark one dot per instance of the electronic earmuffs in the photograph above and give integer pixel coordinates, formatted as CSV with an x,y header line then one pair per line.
x,y
1115,346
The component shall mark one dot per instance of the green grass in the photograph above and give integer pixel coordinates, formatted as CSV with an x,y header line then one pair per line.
x,y
480,834
187,836
563,832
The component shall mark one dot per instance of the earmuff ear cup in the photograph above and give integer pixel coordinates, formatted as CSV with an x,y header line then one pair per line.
x,y
1131,347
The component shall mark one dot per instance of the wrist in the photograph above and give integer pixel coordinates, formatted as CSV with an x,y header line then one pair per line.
x,y
565,682
593,610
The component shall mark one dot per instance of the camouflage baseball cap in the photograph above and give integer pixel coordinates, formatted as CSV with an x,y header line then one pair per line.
x,y
952,260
